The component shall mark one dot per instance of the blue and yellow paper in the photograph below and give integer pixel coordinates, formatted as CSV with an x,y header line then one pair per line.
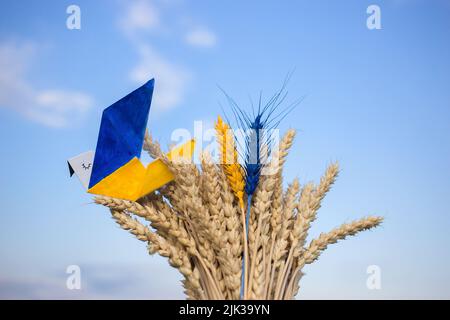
x,y
117,171
133,181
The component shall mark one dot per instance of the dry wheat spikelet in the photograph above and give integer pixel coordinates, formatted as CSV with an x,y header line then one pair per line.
x,y
195,223
152,147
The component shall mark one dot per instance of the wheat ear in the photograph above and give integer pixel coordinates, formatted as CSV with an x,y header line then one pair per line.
x,y
317,246
151,146
229,159
235,176
308,207
279,156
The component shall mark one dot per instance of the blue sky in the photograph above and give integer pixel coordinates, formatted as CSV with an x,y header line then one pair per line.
x,y
378,101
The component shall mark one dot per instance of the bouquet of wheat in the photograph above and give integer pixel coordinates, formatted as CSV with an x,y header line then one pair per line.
x,y
230,240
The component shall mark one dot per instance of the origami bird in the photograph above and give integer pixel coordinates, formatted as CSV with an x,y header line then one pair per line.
x,y
115,169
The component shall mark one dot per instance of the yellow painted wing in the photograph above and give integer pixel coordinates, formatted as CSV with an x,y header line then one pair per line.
x,y
158,174
133,181
124,183
185,151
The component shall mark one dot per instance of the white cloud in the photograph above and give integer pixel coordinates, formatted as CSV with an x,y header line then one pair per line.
x,y
51,107
201,37
170,80
140,15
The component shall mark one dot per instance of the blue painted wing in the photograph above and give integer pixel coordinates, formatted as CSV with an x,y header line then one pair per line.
x,y
122,131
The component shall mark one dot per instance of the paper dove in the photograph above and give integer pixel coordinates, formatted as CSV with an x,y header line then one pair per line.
x,y
116,170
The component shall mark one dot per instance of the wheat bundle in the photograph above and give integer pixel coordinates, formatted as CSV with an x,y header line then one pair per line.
x,y
196,222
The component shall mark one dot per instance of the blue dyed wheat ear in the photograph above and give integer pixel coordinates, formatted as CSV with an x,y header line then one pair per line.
x,y
256,127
